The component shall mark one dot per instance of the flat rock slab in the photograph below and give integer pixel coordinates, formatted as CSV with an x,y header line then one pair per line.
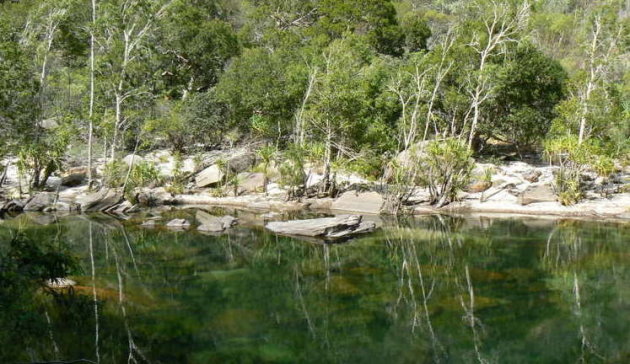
x,y
326,228
537,194
100,201
364,202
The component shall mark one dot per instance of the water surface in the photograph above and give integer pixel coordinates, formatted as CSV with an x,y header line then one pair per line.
x,y
420,290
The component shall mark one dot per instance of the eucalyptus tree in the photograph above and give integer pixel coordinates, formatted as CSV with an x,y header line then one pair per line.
x,y
500,25
125,30
338,98
43,152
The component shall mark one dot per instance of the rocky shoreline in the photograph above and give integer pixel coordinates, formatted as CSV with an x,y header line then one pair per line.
x,y
508,188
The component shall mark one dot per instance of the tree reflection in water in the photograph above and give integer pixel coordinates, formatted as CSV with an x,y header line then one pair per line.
x,y
435,289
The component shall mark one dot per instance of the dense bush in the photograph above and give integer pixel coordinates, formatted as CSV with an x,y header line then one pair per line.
x,y
445,169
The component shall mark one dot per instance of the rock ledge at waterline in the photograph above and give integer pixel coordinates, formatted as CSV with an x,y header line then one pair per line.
x,y
328,227
514,188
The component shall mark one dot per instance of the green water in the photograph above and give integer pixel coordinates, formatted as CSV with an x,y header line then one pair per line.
x,y
423,290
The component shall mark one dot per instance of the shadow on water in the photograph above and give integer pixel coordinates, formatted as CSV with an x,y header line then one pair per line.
x,y
433,289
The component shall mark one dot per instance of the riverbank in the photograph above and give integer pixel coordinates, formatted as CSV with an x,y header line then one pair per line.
x,y
506,188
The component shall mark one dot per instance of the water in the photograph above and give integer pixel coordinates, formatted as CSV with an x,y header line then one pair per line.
x,y
423,290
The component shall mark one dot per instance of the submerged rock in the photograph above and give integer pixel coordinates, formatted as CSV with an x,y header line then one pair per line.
x,y
149,223
178,224
327,227
210,223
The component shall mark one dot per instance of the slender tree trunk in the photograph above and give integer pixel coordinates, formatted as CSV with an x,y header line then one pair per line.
x,y
91,109
116,126
299,119
590,85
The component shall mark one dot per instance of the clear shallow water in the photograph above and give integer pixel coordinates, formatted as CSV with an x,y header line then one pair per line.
x,y
418,291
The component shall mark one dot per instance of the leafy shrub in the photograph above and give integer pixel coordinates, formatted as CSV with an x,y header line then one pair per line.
x,y
573,158
292,171
142,174
368,165
114,173
568,187
445,169
604,166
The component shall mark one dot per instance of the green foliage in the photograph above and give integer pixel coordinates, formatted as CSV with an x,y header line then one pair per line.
x,y
114,173
292,171
445,169
177,183
262,89
416,31
367,164
568,186
144,174
198,119
573,158
604,165
529,86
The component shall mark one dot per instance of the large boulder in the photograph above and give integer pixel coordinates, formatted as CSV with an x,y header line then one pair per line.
x,y
40,202
326,228
73,179
209,176
251,182
536,194
75,176
133,158
364,202
153,197
99,201
241,162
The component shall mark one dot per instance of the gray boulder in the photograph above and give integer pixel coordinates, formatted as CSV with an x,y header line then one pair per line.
x,y
100,201
212,227
536,194
228,221
532,176
210,223
209,176
73,179
13,206
364,202
241,162
135,158
251,182
40,202
326,228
